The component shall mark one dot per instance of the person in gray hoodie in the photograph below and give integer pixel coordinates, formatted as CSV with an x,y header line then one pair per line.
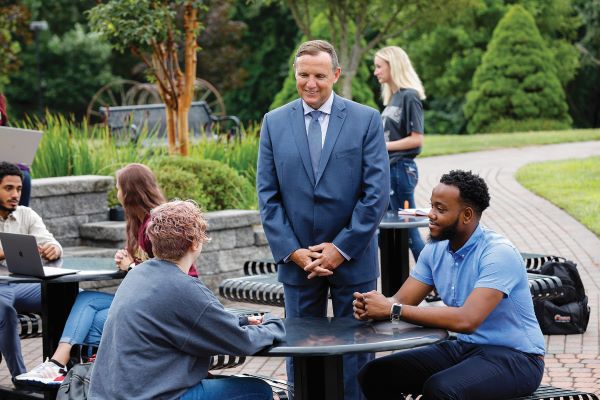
x,y
164,325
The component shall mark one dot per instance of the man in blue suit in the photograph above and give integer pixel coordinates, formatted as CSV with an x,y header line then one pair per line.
x,y
323,187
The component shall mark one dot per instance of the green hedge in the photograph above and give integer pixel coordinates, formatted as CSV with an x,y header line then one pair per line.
x,y
214,185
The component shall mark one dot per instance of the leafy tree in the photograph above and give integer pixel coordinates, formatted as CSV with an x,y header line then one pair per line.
x,y
516,80
222,47
156,31
75,66
13,19
61,15
447,53
270,38
358,26
583,93
360,88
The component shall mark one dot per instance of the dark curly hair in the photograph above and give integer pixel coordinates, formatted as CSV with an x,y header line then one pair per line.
x,y
473,189
9,169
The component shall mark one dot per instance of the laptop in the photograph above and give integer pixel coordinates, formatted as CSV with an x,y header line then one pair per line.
x,y
18,145
23,258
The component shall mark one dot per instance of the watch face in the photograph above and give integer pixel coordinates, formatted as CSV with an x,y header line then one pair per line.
x,y
396,312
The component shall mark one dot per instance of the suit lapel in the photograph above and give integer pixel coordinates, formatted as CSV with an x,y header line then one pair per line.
x,y
336,120
299,134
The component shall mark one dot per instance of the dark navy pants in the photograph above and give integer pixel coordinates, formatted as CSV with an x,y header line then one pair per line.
x,y
453,370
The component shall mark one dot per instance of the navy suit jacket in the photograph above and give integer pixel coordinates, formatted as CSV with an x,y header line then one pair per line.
x,y
343,205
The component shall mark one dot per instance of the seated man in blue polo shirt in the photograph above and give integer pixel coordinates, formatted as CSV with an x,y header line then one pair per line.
x,y
479,274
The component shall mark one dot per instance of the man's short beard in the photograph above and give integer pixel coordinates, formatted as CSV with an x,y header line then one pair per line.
x,y
448,233
6,209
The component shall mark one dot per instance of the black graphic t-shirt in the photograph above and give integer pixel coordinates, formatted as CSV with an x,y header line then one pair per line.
x,y
403,115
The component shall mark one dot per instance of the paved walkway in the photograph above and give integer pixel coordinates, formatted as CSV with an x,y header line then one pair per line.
x,y
532,223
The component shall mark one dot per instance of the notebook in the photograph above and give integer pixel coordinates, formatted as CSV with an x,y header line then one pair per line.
x,y
18,145
23,258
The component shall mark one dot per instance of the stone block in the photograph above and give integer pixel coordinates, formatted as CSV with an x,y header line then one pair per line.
x,y
111,231
244,237
65,227
260,239
64,185
218,262
226,219
70,204
220,240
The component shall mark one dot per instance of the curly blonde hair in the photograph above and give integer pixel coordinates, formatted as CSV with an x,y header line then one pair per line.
x,y
174,227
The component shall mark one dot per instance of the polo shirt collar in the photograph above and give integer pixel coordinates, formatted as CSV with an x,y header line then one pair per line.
x,y
325,107
473,240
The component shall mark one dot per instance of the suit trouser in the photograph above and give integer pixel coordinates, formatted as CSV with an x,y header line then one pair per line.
x,y
453,370
311,301
25,297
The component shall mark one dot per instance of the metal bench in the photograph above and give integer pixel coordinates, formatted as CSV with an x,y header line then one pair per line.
x,y
260,285
30,325
126,123
534,261
544,287
546,392
258,289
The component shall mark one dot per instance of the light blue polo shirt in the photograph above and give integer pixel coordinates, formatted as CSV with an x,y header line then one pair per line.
x,y
487,260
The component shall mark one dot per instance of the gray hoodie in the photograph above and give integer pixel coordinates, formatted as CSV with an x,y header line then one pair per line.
x,y
162,328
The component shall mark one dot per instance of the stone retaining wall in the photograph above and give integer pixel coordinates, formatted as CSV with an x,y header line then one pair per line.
x,y
75,210
65,203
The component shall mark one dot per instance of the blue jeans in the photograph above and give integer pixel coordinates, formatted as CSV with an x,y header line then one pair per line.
x,y
24,297
26,189
231,388
87,317
454,370
404,177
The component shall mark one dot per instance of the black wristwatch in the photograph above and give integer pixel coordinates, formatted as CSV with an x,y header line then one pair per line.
x,y
396,312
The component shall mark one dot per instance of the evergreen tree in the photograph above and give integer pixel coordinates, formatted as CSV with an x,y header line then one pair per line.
x,y
516,88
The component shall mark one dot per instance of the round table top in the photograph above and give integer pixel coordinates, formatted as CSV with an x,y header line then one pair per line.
x,y
336,336
392,220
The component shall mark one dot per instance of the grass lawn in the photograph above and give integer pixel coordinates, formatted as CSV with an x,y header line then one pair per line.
x,y
572,185
436,145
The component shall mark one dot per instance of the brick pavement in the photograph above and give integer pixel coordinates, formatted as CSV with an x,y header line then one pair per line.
x,y
532,223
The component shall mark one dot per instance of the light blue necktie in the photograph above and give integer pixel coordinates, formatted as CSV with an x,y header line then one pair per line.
x,y
315,140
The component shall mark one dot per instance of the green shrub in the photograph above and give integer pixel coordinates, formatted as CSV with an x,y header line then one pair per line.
x,y
214,185
516,79
180,184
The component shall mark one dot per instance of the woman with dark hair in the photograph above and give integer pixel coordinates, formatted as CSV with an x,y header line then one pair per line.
x,y
138,192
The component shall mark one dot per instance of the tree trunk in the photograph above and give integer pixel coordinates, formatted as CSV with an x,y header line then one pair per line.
x,y
346,85
183,131
171,129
